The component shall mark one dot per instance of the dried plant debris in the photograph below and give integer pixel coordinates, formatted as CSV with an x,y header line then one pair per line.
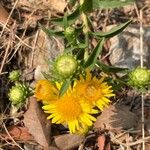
x,y
38,126
116,118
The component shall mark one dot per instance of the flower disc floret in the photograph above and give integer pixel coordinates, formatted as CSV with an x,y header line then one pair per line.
x,y
139,77
65,65
46,91
69,109
94,91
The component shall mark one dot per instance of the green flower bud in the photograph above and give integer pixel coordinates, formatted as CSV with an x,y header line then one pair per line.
x,y
139,78
18,94
14,75
69,31
65,65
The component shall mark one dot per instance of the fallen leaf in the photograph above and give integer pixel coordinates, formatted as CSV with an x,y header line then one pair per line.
x,y
57,5
116,118
4,15
53,148
103,142
17,133
68,141
35,120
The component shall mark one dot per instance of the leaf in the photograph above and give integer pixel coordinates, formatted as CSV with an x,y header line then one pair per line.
x,y
93,56
87,6
64,87
17,133
71,18
65,21
112,32
50,32
103,142
103,4
109,69
68,141
116,118
37,124
4,15
80,54
80,46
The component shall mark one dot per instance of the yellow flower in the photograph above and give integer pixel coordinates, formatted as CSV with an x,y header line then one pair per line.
x,y
46,91
69,109
94,91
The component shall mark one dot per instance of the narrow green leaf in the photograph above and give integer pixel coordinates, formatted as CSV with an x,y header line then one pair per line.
x,y
80,54
50,32
112,32
93,56
103,4
87,5
64,87
80,46
65,21
71,18
110,69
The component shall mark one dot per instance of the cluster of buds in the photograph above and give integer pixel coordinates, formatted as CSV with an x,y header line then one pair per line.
x,y
19,92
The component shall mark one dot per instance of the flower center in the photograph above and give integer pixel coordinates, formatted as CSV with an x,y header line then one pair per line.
x,y
69,108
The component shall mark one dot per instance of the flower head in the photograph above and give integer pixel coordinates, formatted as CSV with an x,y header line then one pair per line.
x,y
69,109
94,91
139,77
45,91
18,94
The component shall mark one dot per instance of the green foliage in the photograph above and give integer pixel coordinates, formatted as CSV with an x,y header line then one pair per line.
x,y
64,87
77,42
87,6
111,3
70,18
109,69
112,32
93,57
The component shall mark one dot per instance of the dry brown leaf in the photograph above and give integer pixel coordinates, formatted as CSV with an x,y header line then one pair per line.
x,y
116,118
68,141
3,15
35,120
103,142
57,5
18,133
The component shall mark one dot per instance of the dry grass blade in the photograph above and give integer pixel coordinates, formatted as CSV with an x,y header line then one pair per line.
x,y
9,18
5,56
